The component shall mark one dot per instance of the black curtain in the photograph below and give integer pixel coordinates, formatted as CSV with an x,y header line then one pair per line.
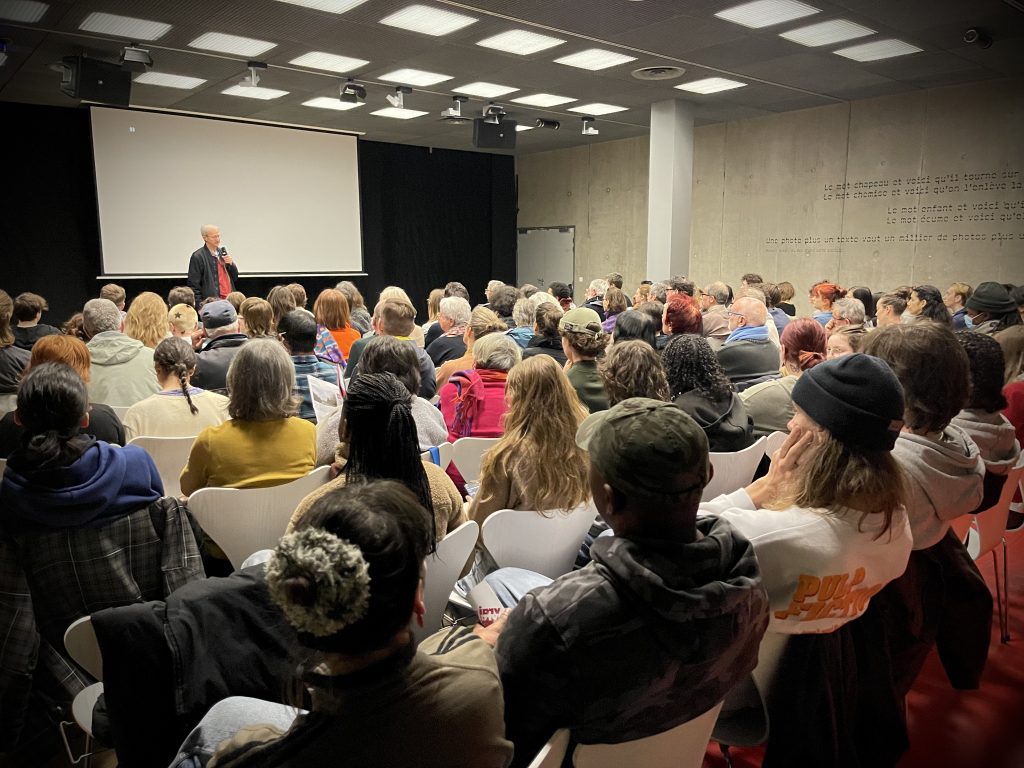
x,y
428,216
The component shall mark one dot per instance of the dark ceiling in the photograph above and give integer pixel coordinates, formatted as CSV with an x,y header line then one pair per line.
x,y
780,75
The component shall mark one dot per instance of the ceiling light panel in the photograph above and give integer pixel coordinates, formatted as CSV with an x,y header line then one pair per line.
x,y
416,77
328,61
595,59
398,114
485,90
597,109
765,13
827,33
331,6
520,41
124,26
167,80
710,85
543,100
254,92
25,11
878,49
428,20
328,102
240,46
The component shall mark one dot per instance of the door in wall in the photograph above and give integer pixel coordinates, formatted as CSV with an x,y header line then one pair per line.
x,y
546,255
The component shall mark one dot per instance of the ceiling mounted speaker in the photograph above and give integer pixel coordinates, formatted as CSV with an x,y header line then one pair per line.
x,y
658,73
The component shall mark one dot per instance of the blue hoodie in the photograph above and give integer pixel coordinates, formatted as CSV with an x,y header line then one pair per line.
x,y
107,481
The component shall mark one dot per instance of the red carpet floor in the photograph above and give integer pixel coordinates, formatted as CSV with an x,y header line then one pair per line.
x,y
960,729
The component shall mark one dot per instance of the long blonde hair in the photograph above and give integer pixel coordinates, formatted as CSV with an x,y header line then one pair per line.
x,y
539,443
147,319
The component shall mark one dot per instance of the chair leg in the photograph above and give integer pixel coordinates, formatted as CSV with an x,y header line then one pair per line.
x,y
1006,596
724,749
999,596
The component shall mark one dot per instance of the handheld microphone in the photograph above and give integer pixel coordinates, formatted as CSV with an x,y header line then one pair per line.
x,y
223,251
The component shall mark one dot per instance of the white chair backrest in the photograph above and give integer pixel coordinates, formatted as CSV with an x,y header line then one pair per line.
x,y
120,411
8,403
170,454
552,753
545,543
990,524
468,452
773,442
734,470
443,568
444,451
82,646
243,521
681,747
3,466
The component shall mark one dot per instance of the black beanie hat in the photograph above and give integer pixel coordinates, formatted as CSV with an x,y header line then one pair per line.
x,y
992,298
857,398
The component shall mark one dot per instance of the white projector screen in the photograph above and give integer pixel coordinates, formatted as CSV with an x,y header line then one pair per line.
x,y
286,200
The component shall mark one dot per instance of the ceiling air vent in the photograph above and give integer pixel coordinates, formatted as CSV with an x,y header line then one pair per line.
x,y
658,73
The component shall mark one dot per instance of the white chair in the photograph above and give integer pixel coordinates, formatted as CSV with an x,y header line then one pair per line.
x,y
545,543
552,753
170,454
8,403
244,520
120,411
442,569
734,470
468,452
3,466
444,451
773,442
82,646
680,747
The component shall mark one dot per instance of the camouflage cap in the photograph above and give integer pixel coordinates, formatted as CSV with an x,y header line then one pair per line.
x,y
641,446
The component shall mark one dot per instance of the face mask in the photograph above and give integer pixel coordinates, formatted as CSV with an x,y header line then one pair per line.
x,y
968,322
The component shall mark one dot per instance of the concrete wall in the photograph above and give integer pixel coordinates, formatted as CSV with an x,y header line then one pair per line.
x,y
922,187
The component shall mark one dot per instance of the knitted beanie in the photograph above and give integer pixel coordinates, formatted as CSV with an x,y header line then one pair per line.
x,y
991,298
857,398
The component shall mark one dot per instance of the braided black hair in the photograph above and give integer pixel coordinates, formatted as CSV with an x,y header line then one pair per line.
x,y
175,355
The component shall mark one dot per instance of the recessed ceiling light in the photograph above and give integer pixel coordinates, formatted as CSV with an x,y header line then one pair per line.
x,y
165,80
485,90
124,26
710,85
428,20
520,41
765,13
597,109
399,114
827,33
331,6
254,92
328,61
878,49
240,46
26,11
520,128
543,100
416,77
594,59
328,102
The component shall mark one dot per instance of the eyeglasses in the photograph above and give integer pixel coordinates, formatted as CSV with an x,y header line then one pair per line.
x,y
737,314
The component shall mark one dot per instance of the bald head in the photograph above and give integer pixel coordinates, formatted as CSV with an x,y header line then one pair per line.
x,y
752,309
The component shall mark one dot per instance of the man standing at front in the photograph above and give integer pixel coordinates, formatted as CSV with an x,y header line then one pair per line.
x,y
211,270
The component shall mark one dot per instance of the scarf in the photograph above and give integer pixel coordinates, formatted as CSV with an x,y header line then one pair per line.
x,y
470,394
748,333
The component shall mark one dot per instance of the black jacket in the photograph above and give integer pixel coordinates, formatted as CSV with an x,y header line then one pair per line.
x,y
541,345
214,359
749,359
202,275
725,422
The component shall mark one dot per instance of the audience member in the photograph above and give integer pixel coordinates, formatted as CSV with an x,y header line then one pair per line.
x,y
845,341
182,321
473,401
594,297
263,443
393,292
1011,341
822,296
867,300
181,294
298,292
503,301
642,294
359,316
522,319
331,311
635,325
655,310
632,369
563,294
925,303
990,309
114,293
146,319
755,292
298,334
698,385
681,316
223,342
13,359
786,294
73,327
678,285
546,338
659,293
235,299
121,369
482,321
452,318
771,301
890,307
846,313
256,318
451,290
583,341
492,285
282,300
614,303
28,311
396,317
955,298
751,279
433,306
747,354
528,289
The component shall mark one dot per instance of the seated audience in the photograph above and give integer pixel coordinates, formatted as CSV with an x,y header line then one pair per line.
x,y
662,624
178,409
121,369
771,301
433,306
698,385
181,294
235,299
822,296
73,327
298,334
503,301
376,439
359,315
955,298
635,325
451,290
926,303
13,359
281,298
867,300
846,313
642,293
223,342
786,294
386,354
452,318
614,303
115,294
594,297
546,338
331,312
770,403
655,310
632,369
747,354
103,422
990,309
349,579
396,317
28,311
845,341
146,319
482,321
681,316
182,321
473,401
523,319
890,307
583,341
563,295
263,443
394,292
299,294
256,318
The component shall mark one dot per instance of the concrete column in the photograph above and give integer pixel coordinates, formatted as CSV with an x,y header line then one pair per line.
x,y
670,190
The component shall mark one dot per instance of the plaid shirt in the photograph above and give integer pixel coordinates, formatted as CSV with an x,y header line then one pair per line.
x,y
51,577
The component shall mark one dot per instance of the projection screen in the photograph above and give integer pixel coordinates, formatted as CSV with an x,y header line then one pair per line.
x,y
286,200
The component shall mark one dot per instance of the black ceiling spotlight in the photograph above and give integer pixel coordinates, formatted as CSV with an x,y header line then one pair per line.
x,y
397,99
978,37
352,93
252,80
551,125
135,59
493,113
454,113
588,126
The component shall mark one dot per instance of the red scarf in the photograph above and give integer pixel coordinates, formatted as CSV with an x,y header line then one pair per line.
x,y
470,396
